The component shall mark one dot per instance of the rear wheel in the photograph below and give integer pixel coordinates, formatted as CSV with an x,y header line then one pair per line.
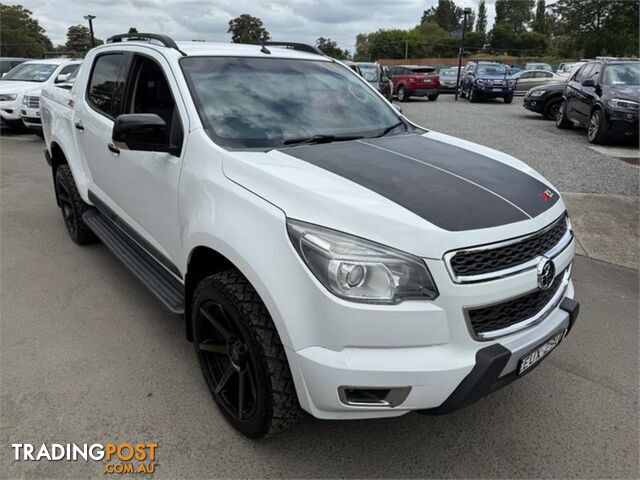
x,y
72,206
551,108
432,98
562,121
596,131
241,356
403,94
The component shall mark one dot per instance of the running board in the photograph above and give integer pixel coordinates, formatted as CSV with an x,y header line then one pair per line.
x,y
165,286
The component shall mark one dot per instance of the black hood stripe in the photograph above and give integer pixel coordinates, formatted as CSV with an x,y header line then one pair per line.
x,y
449,172
443,199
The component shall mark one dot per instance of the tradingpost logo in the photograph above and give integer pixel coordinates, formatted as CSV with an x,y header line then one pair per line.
x,y
117,458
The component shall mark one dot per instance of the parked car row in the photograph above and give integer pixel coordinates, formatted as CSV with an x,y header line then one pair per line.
x,y
602,96
21,87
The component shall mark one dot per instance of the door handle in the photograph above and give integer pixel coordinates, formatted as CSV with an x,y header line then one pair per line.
x,y
79,126
112,148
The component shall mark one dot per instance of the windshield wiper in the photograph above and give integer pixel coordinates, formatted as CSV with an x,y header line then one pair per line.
x,y
388,129
321,139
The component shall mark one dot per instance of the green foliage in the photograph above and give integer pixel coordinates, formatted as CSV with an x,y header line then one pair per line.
x,y
20,34
515,13
247,29
475,40
446,14
330,48
481,22
540,21
389,44
79,40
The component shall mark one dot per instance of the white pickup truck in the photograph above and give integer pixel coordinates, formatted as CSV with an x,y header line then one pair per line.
x,y
326,253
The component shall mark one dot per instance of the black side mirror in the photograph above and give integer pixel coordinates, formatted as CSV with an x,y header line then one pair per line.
x,y
146,132
588,83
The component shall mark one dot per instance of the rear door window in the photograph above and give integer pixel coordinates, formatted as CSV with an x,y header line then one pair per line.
x,y
105,84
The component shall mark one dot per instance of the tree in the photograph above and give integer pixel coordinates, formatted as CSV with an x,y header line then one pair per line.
x,y
21,35
389,44
79,40
481,22
247,29
515,13
446,14
597,27
330,48
539,23
502,37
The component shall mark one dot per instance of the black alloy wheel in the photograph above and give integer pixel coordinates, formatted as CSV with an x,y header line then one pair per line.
x,y
72,206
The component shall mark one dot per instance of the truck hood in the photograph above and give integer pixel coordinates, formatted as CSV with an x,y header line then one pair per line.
x,y
7,86
624,92
419,193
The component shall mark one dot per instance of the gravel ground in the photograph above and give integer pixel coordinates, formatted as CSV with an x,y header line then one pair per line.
x,y
562,156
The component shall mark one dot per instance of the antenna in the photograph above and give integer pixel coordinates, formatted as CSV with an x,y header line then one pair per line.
x,y
263,49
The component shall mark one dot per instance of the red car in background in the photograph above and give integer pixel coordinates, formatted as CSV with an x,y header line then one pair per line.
x,y
415,81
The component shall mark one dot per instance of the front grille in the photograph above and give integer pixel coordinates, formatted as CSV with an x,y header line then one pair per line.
x,y
33,102
516,310
488,260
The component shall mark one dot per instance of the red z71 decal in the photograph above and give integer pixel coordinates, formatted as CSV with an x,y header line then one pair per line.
x,y
547,195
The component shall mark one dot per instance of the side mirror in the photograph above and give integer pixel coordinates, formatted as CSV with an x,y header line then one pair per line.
x,y
145,132
588,83
62,78
397,107
4,74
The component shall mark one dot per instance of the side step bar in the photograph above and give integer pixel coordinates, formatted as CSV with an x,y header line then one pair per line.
x,y
168,289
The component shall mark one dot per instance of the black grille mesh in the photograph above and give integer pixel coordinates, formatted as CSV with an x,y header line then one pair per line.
x,y
495,259
505,314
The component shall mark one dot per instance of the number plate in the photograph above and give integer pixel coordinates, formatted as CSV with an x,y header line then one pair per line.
x,y
497,89
541,351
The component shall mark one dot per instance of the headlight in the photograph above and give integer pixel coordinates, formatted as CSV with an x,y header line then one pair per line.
x,y
359,270
623,104
6,97
480,81
537,93
510,82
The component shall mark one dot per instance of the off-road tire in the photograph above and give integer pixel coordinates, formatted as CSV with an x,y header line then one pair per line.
x,y
277,407
473,97
433,98
72,206
508,98
562,122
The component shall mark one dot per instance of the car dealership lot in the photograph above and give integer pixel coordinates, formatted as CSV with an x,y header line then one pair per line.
x,y
88,355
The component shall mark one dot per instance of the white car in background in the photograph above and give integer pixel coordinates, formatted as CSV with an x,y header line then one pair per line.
x,y
30,110
566,69
30,76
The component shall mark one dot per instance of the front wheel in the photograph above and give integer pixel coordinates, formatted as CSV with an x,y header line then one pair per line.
x,y
241,356
72,206
596,132
473,96
551,109
508,98
562,121
432,98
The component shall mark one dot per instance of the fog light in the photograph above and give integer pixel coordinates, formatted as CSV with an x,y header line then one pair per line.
x,y
373,397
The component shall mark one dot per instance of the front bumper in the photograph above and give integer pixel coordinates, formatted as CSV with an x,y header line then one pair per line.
x,y
10,111
493,91
31,117
534,104
622,123
424,92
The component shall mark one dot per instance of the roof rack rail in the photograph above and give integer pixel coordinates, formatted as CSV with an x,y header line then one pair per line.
x,y
301,47
165,40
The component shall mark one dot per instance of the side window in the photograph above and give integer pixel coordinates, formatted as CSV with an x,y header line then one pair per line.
x,y
584,72
149,92
595,72
548,74
68,70
103,83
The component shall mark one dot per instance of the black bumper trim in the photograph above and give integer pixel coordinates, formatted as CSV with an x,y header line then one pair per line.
x,y
485,377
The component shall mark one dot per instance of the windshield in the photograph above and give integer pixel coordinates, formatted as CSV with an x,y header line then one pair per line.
x,y
263,102
449,72
31,72
622,74
369,73
492,70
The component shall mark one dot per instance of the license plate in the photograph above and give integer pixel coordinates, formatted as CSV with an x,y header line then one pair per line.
x,y
541,351
497,89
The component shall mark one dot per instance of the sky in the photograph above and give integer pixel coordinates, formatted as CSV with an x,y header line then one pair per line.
x,y
286,20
